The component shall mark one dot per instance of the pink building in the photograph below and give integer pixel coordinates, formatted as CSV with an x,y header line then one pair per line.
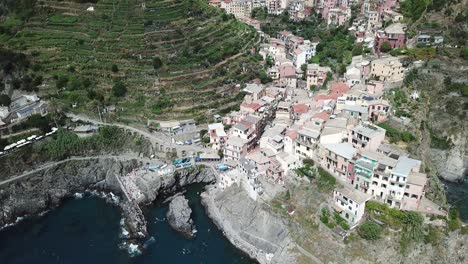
x,y
217,135
378,110
326,6
275,172
366,136
250,108
287,76
339,159
298,110
395,34
375,87
415,188
235,148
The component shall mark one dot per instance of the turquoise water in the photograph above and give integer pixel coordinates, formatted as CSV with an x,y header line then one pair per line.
x,y
87,231
457,196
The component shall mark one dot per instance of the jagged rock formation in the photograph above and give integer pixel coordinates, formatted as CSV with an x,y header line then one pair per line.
x,y
178,216
452,164
45,189
270,237
152,187
249,226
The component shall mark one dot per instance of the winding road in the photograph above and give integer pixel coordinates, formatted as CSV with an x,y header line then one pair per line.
x,y
155,137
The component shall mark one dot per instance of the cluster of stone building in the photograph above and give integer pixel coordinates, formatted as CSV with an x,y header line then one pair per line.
x,y
377,21
289,53
282,123
22,107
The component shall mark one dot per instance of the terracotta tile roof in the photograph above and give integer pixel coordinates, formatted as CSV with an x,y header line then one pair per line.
x,y
292,134
322,115
257,81
300,108
287,71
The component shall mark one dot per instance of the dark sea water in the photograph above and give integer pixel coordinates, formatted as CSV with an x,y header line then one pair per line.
x,y
87,231
457,196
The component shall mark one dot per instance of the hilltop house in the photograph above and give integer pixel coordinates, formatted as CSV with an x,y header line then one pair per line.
x,y
338,158
388,69
217,135
395,34
316,74
350,205
366,136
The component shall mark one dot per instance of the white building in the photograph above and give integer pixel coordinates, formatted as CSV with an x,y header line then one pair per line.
x,y
350,204
249,178
388,69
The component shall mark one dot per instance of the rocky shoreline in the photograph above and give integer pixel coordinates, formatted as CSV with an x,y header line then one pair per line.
x,y
45,189
247,224
259,234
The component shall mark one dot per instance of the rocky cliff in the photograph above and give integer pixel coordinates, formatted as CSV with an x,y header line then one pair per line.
x,y
269,237
45,189
248,226
166,185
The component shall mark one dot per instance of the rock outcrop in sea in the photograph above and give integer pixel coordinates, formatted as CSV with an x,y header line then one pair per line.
x,y
179,216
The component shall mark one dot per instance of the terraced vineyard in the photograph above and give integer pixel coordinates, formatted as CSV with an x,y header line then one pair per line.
x,y
82,54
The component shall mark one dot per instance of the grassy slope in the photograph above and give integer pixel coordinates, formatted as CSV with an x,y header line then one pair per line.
x,y
195,43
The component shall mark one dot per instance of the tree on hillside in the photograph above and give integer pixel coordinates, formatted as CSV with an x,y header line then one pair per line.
x,y
304,71
385,47
40,122
157,63
4,100
357,50
114,68
259,13
414,8
264,78
370,231
119,89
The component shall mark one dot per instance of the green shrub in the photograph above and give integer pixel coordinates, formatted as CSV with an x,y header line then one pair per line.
x,y
114,68
440,142
413,226
385,47
325,216
119,89
370,230
345,226
326,181
433,236
396,135
453,220
308,162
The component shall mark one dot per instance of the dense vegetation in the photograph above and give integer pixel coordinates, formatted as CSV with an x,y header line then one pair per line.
x,y
108,139
396,135
370,230
336,46
185,48
411,224
414,9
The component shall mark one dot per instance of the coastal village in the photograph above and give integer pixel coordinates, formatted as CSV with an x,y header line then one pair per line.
x,y
307,120
305,115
